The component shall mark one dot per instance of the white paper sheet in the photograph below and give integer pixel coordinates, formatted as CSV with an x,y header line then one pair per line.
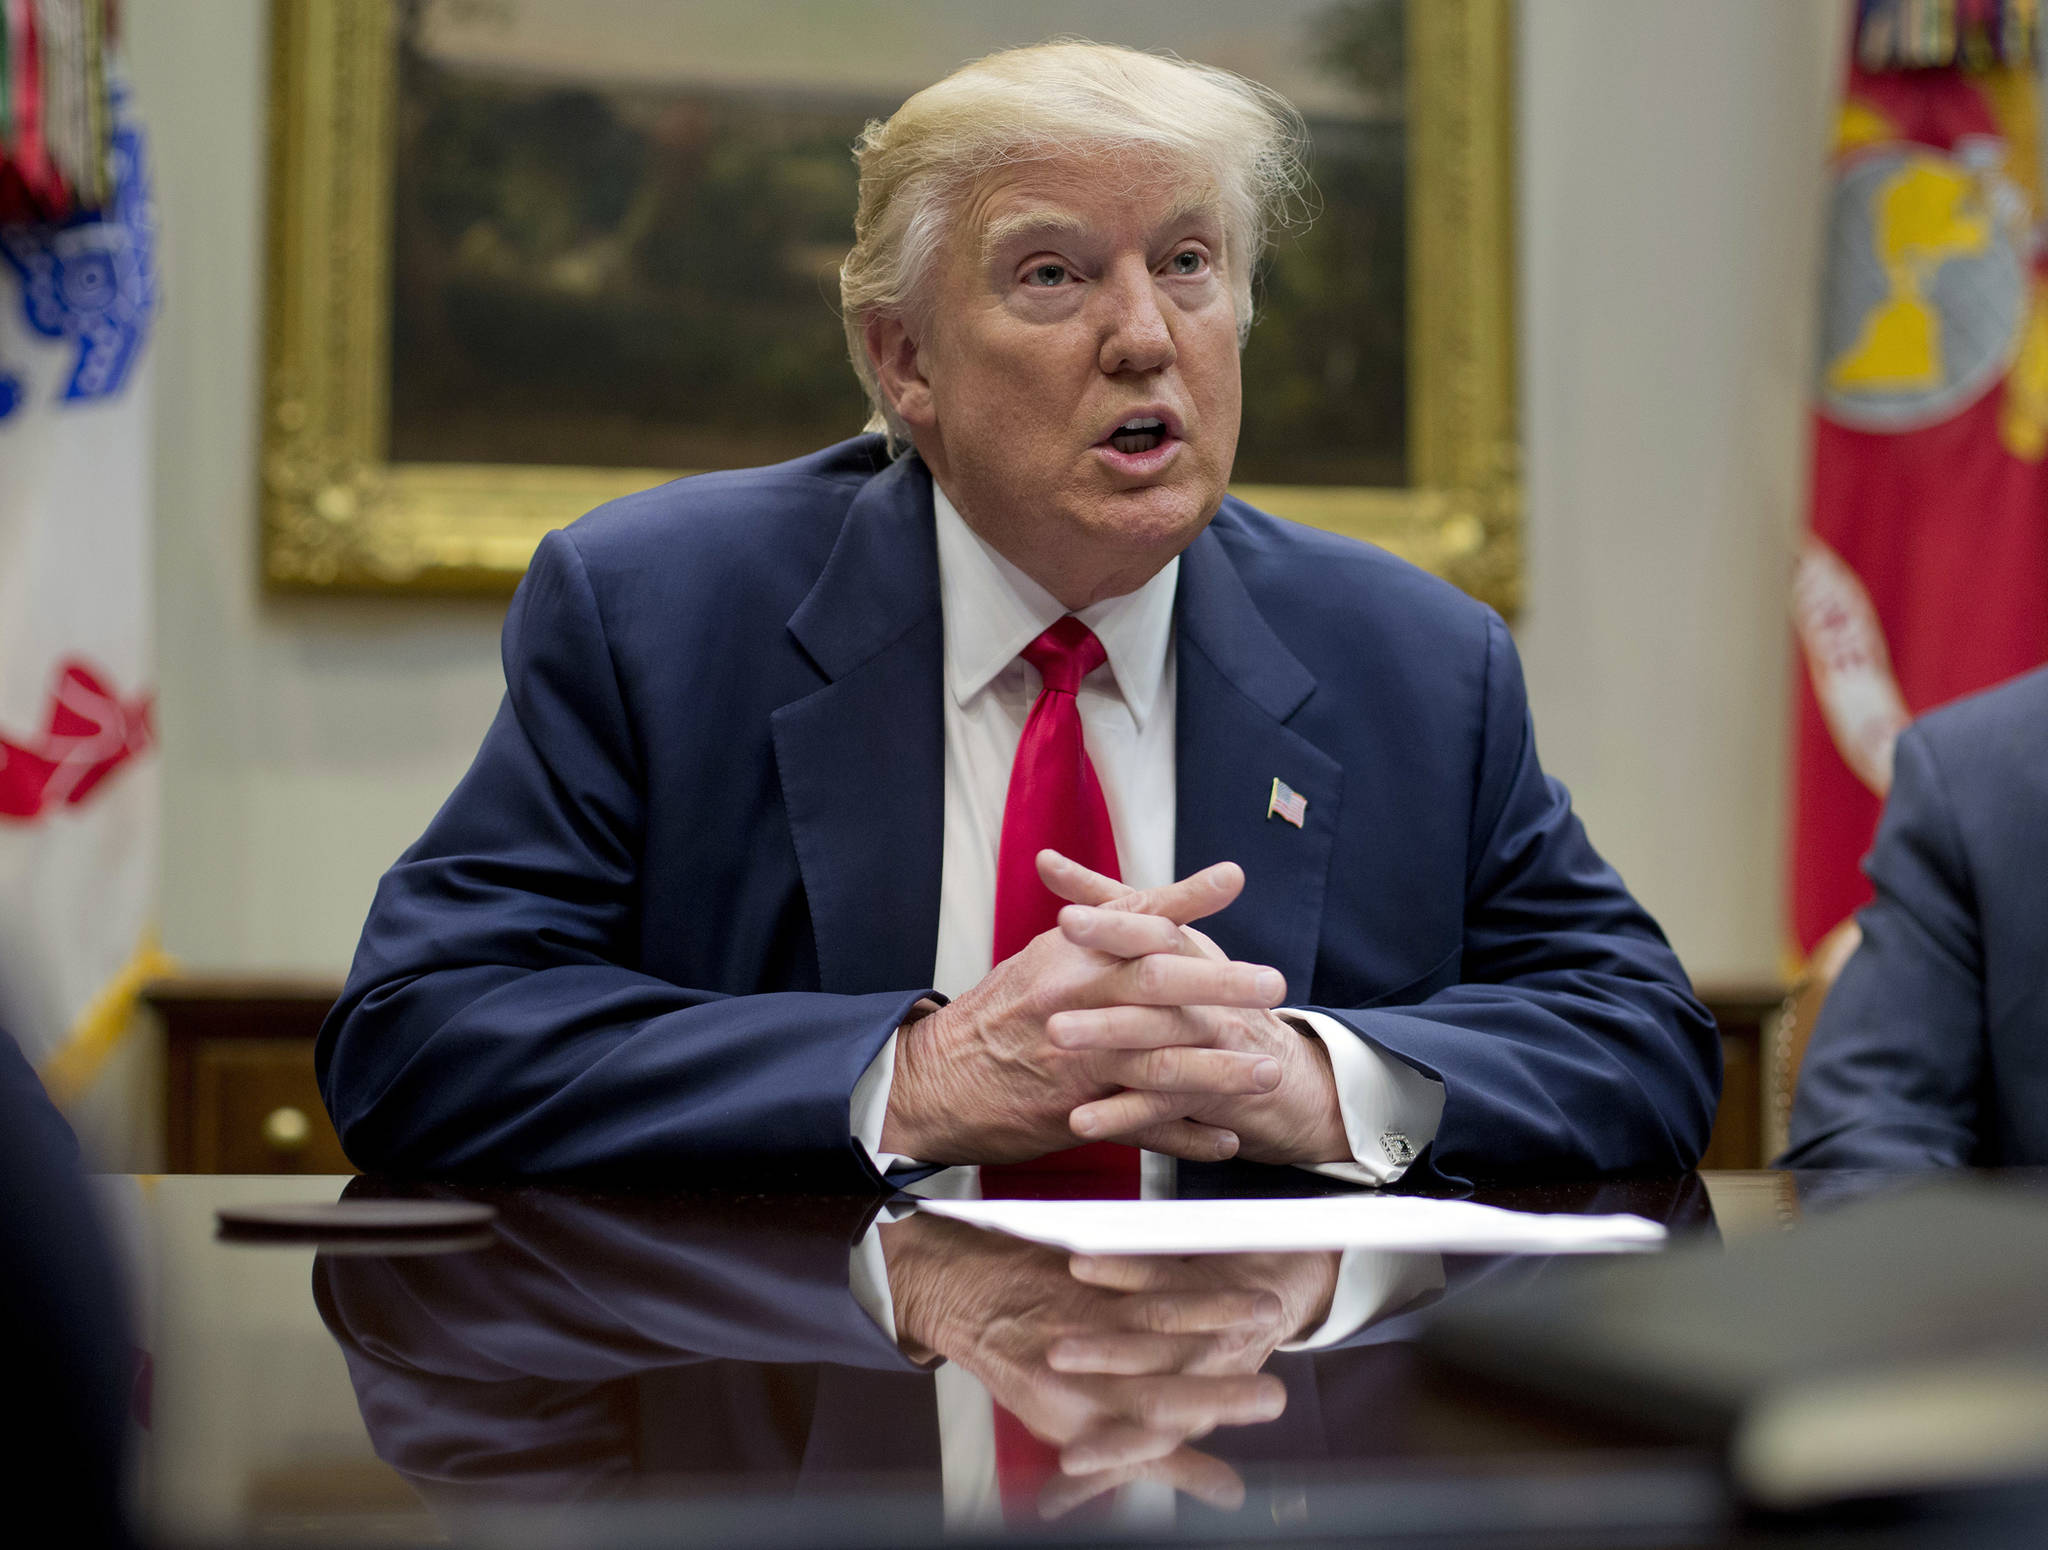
x,y
1397,1222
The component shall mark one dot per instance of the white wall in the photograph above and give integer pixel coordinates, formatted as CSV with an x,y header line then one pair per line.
x,y
1671,185
305,741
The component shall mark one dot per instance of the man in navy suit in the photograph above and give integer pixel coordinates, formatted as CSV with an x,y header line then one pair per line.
x,y
1932,1048
727,880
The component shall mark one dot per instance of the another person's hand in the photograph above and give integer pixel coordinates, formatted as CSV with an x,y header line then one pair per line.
x,y
980,1081
1294,1120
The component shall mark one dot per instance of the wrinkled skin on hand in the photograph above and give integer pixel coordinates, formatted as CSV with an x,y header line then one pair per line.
x,y
980,1080
1295,1120
1119,1362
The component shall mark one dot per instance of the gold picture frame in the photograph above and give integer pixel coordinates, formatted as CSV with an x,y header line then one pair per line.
x,y
337,514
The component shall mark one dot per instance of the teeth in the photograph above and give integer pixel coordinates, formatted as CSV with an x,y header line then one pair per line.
x,y
1142,425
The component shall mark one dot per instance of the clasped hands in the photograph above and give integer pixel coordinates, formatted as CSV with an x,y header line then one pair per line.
x,y
1121,1024
1119,1362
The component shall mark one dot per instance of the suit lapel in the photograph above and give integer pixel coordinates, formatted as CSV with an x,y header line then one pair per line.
x,y
1238,685
862,760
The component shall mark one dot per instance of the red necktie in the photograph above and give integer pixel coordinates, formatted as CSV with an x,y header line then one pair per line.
x,y
1055,801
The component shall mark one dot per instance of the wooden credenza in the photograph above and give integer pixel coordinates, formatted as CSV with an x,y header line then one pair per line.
x,y
1745,1014
240,1095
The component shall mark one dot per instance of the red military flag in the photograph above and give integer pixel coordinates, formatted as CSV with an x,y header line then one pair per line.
x,y
1924,572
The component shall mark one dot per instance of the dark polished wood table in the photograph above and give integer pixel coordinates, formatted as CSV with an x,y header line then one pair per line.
x,y
620,1368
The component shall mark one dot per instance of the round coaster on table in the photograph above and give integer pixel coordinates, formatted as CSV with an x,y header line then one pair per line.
x,y
318,1221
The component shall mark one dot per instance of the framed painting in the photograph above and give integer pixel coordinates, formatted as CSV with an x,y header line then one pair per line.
x,y
527,255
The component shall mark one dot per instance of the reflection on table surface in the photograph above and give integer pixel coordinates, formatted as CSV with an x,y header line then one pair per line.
x,y
808,1368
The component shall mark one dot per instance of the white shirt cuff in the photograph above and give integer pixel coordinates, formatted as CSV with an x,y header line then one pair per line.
x,y
869,1109
867,1277
1390,1109
1370,1283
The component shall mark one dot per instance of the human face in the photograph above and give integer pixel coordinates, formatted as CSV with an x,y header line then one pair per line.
x,y
1074,298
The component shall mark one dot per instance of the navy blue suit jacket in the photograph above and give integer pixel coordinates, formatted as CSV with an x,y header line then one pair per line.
x,y
691,883
1932,1048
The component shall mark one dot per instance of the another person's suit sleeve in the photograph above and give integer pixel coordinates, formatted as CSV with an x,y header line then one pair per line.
x,y
1571,1042
1894,1071
70,1362
493,1022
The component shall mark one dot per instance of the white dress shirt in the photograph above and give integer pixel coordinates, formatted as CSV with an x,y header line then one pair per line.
x,y
991,612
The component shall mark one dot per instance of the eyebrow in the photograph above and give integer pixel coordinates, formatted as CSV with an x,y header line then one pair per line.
x,y
1005,230
999,234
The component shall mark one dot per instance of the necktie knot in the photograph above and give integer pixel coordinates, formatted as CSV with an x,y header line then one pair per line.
x,y
1065,654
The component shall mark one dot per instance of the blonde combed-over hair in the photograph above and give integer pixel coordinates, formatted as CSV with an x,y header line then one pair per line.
x,y
1051,100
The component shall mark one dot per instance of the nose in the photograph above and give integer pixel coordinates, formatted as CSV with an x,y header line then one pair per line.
x,y
1135,332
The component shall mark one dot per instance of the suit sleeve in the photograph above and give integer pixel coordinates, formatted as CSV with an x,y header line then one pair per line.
x,y
494,1022
1572,1043
1893,1073
508,1374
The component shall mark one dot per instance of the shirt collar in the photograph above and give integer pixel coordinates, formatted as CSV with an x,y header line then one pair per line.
x,y
992,611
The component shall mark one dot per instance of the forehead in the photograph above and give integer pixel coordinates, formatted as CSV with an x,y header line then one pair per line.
x,y
1105,196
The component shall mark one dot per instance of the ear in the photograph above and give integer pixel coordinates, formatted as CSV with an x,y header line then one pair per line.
x,y
899,368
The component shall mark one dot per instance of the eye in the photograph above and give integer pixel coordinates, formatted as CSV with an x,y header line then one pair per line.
x,y
1188,261
1045,275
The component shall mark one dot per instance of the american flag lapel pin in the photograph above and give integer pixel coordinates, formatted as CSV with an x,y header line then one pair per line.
x,y
1287,803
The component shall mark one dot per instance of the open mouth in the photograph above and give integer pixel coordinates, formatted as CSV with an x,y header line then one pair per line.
x,y
1141,434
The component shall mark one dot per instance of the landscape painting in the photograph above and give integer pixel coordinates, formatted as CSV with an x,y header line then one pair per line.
x,y
616,225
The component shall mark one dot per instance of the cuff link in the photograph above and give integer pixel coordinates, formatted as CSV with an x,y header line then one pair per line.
x,y
1397,1147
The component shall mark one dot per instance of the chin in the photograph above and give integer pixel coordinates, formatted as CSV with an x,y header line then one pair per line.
x,y
1148,525
1165,510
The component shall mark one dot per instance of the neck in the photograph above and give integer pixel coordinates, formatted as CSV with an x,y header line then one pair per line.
x,y
1076,585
